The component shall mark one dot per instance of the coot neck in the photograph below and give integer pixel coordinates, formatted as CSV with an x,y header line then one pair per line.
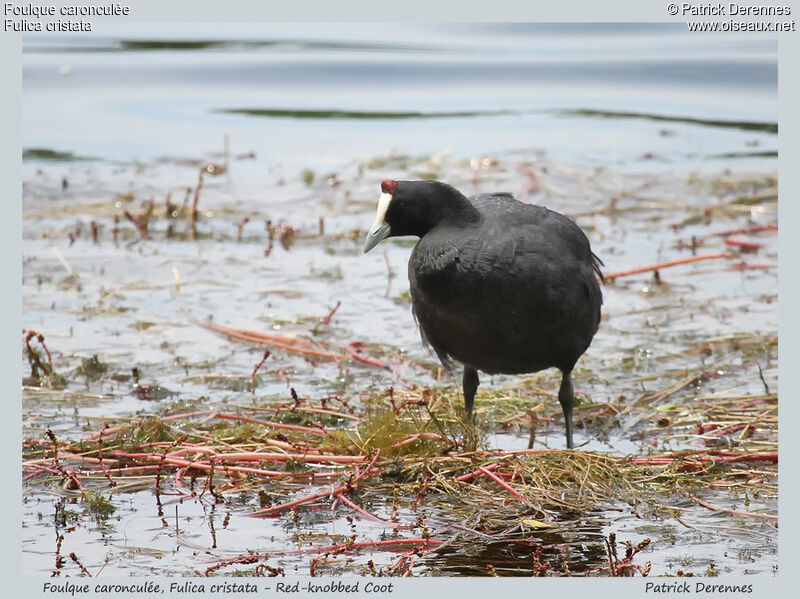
x,y
419,206
454,210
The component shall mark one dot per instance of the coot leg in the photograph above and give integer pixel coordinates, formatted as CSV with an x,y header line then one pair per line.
x,y
566,398
470,383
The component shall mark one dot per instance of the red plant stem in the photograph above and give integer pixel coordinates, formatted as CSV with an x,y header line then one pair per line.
x,y
731,429
625,273
255,370
409,402
285,506
136,223
282,457
73,477
239,228
327,319
175,461
745,266
279,341
257,335
244,559
755,457
30,334
410,565
291,347
233,332
262,336
368,468
75,559
100,457
400,561
746,245
191,449
289,343
753,229
395,365
334,492
341,497
179,477
46,351
168,460
352,350
481,470
501,482
39,468
407,440
80,458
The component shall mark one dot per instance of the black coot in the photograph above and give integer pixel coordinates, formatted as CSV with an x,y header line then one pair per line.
x,y
498,285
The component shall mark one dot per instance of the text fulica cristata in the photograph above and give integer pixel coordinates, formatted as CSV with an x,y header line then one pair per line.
x,y
498,285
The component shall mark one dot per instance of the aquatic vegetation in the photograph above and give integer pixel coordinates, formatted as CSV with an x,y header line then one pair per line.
x,y
283,396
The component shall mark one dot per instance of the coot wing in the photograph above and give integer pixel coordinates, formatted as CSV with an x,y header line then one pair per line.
x,y
479,293
511,241
535,224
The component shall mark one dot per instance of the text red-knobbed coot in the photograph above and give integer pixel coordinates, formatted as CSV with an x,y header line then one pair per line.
x,y
498,285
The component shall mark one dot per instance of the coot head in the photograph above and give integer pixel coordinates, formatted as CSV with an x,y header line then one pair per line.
x,y
414,207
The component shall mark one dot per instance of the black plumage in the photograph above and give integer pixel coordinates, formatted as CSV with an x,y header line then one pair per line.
x,y
497,285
